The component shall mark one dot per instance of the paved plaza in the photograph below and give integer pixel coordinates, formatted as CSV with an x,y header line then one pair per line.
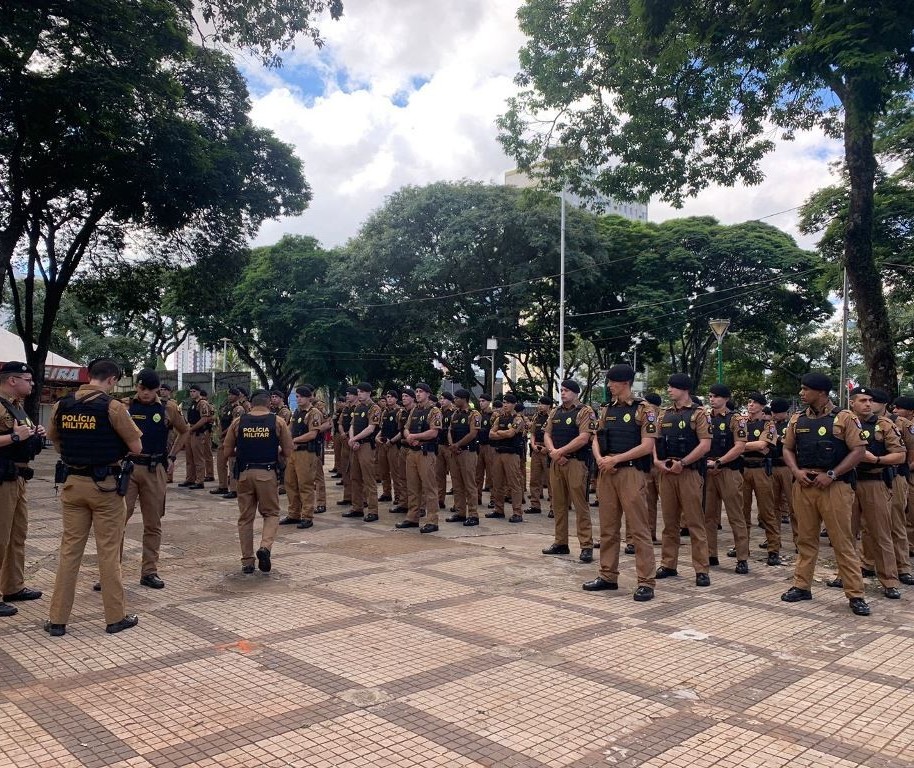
x,y
368,646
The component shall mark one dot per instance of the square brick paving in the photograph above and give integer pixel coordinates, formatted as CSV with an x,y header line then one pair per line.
x,y
369,646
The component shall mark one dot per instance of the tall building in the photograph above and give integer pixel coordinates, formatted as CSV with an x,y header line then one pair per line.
x,y
603,204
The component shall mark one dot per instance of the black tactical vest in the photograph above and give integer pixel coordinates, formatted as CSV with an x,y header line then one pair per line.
x,y
870,432
776,452
721,435
816,444
21,451
756,430
258,441
512,445
460,428
677,439
360,421
346,418
539,427
565,429
193,413
151,421
225,416
86,436
418,420
621,432
446,416
482,435
389,423
299,427
902,469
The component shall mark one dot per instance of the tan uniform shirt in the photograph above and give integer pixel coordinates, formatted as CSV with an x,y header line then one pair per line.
x,y
847,427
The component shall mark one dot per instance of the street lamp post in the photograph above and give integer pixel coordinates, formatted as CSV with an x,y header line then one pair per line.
x,y
719,329
492,345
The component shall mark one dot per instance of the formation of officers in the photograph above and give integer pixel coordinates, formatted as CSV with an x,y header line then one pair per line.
x,y
844,474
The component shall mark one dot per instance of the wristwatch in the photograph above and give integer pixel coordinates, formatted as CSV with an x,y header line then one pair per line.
x,y
831,474
717,464
14,437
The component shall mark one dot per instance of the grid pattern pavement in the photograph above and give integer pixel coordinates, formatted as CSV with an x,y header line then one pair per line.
x,y
368,646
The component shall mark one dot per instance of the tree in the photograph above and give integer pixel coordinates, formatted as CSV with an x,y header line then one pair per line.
x,y
667,97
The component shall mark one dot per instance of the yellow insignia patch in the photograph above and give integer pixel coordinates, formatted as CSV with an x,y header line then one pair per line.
x,y
823,431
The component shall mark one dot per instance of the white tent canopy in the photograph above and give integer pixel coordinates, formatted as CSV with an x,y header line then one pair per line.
x,y
12,348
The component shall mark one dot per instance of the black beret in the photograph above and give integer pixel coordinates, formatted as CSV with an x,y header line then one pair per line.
x,y
486,396
391,393
860,391
194,388
234,391
304,391
163,385
544,400
880,395
498,403
780,405
409,392
259,393
766,410
653,398
364,386
510,398
148,378
424,387
351,391
572,386
680,381
276,393
621,372
905,401
463,394
817,381
720,390
447,396
243,391
758,397
697,400
203,393
14,367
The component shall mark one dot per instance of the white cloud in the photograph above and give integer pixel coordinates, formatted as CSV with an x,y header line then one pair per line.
x,y
451,66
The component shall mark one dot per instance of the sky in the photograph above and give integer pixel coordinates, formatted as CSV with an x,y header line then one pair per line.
x,y
407,93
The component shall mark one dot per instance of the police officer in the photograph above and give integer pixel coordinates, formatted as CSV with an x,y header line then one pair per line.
x,y
761,437
208,414
423,423
165,392
871,513
462,445
683,441
507,436
228,412
345,424
199,419
402,452
21,440
155,420
366,421
822,446
279,406
903,408
623,448
303,467
257,440
93,432
486,452
569,431
781,476
388,449
337,469
445,459
320,482
539,466
521,411
724,477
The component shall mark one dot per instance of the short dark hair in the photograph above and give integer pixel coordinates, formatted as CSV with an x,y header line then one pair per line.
x,y
260,397
104,368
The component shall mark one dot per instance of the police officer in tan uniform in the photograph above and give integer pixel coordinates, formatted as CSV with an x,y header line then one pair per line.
x,y
257,440
228,412
303,467
402,453
724,479
389,450
568,434
93,432
463,446
539,465
423,423
683,440
761,437
444,460
903,408
623,448
781,476
199,419
165,394
21,441
366,421
507,437
486,452
345,423
822,446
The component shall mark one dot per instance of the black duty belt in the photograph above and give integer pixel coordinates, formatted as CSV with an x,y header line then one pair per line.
x,y
91,471
270,467
146,461
778,463
630,463
26,473
869,476
754,464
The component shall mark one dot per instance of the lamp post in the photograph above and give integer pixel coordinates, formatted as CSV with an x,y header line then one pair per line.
x,y
492,345
719,329
225,342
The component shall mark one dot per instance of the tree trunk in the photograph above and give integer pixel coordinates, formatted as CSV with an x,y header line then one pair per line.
x,y
865,281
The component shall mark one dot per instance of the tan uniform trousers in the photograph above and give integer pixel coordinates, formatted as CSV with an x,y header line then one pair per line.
x,y
86,508
320,484
421,491
725,488
782,489
346,469
484,470
871,517
622,493
539,478
756,480
387,461
652,494
680,504
443,468
337,452
832,505
464,480
301,476
196,450
523,475
398,471
149,488
14,527
225,470
364,483
909,516
258,491
172,438
897,504
568,487
506,479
